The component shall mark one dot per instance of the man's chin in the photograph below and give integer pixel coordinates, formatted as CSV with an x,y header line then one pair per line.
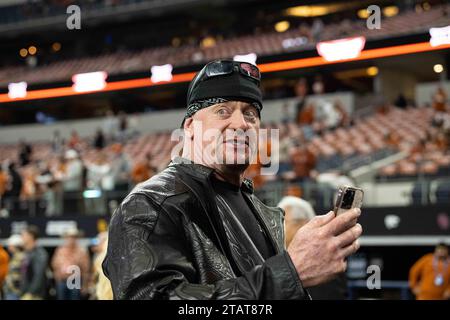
x,y
233,162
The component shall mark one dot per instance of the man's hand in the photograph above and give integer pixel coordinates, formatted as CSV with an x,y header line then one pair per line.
x,y
319,249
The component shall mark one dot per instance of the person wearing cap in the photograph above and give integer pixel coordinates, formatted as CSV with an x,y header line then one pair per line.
x,y
73,183
67,256
13,279
196,230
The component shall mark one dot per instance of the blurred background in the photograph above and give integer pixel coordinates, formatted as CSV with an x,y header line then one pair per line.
x,y
89,96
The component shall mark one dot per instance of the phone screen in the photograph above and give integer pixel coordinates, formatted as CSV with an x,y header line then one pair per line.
x,y
347,201
348,198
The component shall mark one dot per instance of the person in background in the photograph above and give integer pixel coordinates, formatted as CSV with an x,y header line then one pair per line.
x,y
303,163
344,117
110,126
120,168
301,91
72,182
14,188
74,141
123,127
25,152
299,212
3,185
30,191
34,267
102,285
318,86
57,142
439,100
429,277
13,279
143,170
307,115
4,262
317,29
99,140
67,256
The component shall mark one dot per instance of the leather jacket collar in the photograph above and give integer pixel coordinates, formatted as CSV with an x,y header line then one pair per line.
x,y
201,171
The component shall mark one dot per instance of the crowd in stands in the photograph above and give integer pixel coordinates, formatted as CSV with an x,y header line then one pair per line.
x,y
92,174
262,43
425,136
72,272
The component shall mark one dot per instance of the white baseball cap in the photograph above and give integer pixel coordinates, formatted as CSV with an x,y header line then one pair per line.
x,y
15,240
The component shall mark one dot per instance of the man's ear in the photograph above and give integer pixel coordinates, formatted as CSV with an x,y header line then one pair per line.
x,y
188,127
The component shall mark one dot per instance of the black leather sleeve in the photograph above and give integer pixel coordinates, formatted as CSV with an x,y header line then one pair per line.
x,y
148,258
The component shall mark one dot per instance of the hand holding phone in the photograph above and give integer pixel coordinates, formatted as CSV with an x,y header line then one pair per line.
x,y
348,198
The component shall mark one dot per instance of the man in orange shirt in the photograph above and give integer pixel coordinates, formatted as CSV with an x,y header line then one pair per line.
x,y
429,277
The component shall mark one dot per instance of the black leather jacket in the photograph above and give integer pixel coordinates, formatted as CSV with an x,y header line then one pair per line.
x,y
174,238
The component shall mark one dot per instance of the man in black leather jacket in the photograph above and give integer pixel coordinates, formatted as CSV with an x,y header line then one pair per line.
x,y
197,231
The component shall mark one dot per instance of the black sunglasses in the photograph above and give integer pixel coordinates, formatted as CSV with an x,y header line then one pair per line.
x,y
225,67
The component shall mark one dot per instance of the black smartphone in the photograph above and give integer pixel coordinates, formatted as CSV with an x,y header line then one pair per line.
x,y
348,198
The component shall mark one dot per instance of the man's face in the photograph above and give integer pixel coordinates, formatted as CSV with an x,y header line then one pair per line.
x,y
441,252
224,134
71,241
27,239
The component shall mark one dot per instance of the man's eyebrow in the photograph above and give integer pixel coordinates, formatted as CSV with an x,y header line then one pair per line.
x,y
220,104
249,106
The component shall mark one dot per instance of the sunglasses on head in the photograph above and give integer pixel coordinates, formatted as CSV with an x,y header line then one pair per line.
x,y
224,67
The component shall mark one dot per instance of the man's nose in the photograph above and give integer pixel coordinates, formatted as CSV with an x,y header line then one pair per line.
x,y
237,121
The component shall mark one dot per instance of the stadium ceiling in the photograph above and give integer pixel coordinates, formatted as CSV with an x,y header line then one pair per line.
x,y
265,68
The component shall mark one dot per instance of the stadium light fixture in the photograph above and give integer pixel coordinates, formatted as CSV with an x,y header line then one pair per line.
x,y
32,50
341,49
438,68
92,194
162,73
56,46
363,13
282,26
23,52
17,90
208,42
317,10
439,36
390,11
92,81
250,58
372,71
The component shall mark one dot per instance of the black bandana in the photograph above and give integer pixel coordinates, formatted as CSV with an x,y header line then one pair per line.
x,y
205,103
